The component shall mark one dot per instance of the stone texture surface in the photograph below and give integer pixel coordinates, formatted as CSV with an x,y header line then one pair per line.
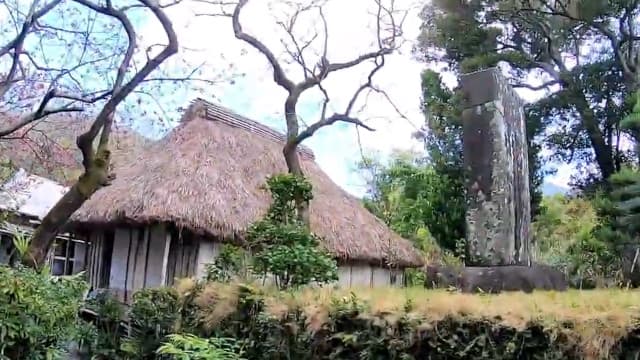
x,y
496,279
439,277
495,157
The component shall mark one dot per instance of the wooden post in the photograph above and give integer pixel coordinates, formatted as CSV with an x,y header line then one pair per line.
x,y
165,257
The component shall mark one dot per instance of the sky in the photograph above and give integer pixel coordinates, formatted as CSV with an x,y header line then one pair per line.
x,y
209,42
351,33
337,148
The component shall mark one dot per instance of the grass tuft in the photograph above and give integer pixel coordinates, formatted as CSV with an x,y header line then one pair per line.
x,y
598,318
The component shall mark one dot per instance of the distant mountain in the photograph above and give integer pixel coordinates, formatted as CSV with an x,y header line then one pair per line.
x,y
549,188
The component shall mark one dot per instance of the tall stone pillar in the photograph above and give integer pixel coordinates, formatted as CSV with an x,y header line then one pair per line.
x,y
495,157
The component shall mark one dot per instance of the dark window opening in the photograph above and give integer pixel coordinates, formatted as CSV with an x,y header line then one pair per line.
x,y
63,257
107,253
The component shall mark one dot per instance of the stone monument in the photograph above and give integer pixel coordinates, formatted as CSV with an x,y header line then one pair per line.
x,y
495,158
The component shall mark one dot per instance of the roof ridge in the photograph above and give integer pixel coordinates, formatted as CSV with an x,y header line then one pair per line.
x,y
229,117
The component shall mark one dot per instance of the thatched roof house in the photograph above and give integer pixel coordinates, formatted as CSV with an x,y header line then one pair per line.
x,y
208,176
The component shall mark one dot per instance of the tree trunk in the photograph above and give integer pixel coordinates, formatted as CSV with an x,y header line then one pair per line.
x,y
90,182
291,154
603,152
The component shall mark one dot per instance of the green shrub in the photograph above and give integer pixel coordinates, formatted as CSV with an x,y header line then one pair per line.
x,y
569,234
227,265
39,313
324,323
153,315
282,245
189,347
107,335
627,200
315,324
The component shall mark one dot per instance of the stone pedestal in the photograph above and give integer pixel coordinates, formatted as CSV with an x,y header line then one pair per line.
x,y
495,157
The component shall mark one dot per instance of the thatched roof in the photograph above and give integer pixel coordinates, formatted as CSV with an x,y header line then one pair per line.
x,y
208,175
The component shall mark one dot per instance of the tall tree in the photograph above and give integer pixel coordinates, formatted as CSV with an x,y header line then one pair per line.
x,y
309,73
34,72
416,201
627,182
584,51
442,133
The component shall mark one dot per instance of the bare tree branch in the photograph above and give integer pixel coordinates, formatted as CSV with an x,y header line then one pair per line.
x,y
40,113
388,35
15,46
386,46
542,86
298,54
96,163
28,24
344,116
279,75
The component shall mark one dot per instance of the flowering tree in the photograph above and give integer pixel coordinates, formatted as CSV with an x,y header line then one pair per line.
x,y
65,57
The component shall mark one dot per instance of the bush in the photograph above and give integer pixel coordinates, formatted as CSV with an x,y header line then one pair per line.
x,y
323,323
282,245
417,324
105,342
153,316
189,347
569,234
229,264
39,313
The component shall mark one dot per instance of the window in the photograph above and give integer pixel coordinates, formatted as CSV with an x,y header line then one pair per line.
x,y
63,258
6,248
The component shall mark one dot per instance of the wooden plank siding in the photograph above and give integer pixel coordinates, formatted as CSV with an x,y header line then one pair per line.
x,y
183,256
125,260
365,275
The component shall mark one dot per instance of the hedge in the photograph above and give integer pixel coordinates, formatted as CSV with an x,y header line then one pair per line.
x,y
413,323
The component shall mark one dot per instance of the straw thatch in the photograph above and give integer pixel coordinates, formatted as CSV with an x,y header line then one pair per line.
x,y
208,175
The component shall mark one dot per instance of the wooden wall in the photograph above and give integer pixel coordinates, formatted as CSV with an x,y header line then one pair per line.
x,y
364,275
183,256
208,251
126,260
359,275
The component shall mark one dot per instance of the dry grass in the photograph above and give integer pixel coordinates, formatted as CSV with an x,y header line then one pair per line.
x,y
216,302
600,317
209,176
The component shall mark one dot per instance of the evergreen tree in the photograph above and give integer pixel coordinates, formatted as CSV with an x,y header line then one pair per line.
x,y
569,46
627,182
